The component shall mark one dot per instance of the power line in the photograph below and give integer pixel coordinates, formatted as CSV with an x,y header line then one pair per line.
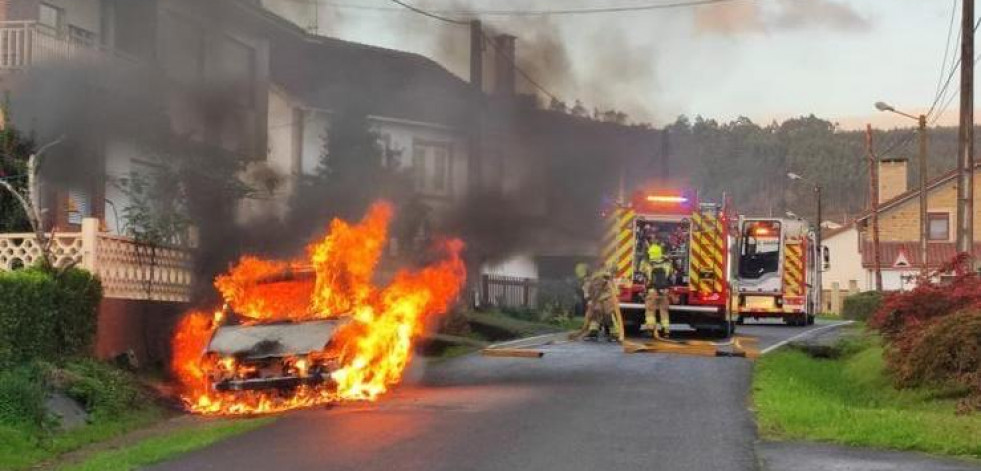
x,y
439,14
950,77
486,39
947,47
431,15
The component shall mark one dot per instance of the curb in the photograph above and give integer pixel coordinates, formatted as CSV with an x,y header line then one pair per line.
x,y
531,341
804,335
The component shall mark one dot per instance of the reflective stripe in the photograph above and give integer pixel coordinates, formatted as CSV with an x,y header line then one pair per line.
x,y
707,254
618,242
793,269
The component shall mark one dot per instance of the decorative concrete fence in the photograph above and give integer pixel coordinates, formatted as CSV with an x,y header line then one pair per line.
x,y
128,270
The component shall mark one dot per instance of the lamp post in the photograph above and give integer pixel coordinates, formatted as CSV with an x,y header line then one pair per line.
x,y
924,223
819,262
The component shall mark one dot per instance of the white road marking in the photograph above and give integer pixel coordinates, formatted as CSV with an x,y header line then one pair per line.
x,y
802,335
525,340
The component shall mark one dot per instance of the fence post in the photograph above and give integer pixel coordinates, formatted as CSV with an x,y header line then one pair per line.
x,y
525,288
836,298
90,241
484,291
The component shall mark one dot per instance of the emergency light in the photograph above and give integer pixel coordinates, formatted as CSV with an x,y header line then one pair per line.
x,y
666,199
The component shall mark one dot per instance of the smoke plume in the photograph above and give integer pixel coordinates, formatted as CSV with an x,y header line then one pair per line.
x,y
753,17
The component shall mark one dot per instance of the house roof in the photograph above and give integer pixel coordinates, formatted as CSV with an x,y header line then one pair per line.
x,y
332,74
829,233
938,253
914,193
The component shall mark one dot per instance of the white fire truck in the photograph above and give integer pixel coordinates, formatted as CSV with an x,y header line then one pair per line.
x,y
775,271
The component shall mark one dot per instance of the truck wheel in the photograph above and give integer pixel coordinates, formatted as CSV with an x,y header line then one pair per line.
x,y
740,320
810,320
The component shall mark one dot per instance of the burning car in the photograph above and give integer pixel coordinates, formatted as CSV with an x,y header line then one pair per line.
x,y
314,329
278,356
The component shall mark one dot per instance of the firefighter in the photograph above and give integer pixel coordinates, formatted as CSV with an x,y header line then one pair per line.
x,y
659,280
600,306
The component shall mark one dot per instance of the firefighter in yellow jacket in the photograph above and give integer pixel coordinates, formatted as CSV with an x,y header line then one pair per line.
x,y
600,310
660,271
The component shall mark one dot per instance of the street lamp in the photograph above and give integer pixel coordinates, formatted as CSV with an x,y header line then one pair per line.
x,y
819,264
924,224
792,215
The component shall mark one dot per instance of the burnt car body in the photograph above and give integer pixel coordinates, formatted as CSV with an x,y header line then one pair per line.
x,y
272,356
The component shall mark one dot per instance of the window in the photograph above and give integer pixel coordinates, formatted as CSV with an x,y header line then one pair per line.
x,y
231,65
81,36
431,167
50,18
939,226
183,44
440,163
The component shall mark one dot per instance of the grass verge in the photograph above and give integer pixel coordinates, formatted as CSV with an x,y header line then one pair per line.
x,y
158,449
21,448
851,400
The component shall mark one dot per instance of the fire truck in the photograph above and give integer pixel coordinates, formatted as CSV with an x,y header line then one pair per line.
x,y
700,240
775,271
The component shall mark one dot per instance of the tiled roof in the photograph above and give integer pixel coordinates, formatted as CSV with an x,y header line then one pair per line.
x,y
889,252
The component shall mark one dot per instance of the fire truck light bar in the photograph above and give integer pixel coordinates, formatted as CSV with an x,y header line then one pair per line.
x,y
667,199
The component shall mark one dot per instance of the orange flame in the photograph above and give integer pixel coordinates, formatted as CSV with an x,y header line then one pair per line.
x,y
372,350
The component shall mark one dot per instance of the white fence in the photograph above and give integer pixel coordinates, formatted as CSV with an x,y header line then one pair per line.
x,y
128,270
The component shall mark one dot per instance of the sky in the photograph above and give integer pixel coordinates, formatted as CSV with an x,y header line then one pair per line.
x,y
763,59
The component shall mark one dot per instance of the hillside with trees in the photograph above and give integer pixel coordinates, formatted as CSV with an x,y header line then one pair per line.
x,y
748,162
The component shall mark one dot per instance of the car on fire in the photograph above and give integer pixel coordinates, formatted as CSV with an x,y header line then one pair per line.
x,y
273,356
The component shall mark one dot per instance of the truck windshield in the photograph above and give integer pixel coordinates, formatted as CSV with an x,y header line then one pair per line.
x,y
760,253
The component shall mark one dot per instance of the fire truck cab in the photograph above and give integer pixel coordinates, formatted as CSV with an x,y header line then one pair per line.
x,y
696,239
775,271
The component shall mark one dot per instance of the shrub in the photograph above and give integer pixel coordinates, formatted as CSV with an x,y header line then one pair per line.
x,y
22,397
904,312
43,316
100,388
861,306
947,352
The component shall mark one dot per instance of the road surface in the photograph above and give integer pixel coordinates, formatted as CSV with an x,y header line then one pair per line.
x,y
584,406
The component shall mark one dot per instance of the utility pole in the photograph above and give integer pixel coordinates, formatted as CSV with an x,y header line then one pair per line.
x,y
819,260
965,147
924,223
874,202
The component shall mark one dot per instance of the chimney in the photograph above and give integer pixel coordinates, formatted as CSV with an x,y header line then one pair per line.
x,y
504,80
893,175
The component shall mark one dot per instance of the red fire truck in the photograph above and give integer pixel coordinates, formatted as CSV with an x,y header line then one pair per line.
x,y
699,240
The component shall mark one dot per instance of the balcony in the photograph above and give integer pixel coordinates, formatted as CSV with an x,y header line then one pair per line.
x,y
24,44
128,270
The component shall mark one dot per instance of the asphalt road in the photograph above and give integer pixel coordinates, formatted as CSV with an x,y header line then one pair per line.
x,y
583,406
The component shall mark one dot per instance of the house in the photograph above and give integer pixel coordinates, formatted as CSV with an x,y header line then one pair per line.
x,y
116,78
900,256
419,111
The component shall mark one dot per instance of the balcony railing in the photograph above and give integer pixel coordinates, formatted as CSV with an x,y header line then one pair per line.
x,y
25,43
128,270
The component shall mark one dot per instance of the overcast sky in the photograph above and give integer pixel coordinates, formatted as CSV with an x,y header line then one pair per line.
x,y
765,59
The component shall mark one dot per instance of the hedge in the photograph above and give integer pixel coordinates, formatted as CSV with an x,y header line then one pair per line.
x,y
47,317
861,306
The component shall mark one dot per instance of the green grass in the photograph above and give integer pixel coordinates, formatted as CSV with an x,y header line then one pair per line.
x,y
507,327
158,449
21,447
851,401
